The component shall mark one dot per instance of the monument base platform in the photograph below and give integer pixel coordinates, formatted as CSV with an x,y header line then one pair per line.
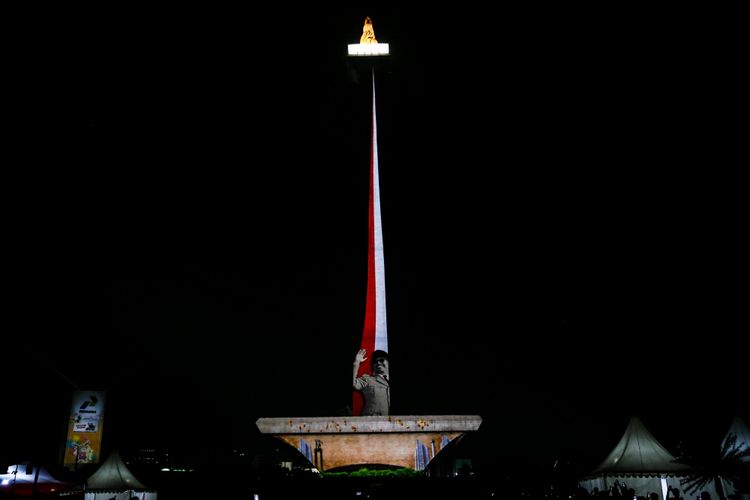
x,y
397,440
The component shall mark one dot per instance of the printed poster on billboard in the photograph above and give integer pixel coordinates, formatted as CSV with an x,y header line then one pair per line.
x,y
84,437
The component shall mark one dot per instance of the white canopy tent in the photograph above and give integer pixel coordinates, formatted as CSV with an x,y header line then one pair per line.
x,y
741,434
113,480
19,480
640,462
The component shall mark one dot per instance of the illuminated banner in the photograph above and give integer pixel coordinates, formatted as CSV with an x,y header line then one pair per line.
x,y
84,439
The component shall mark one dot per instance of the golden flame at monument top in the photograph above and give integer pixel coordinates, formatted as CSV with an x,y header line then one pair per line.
x,y
368,45
368,32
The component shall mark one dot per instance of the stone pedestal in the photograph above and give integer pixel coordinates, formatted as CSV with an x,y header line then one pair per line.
x,y
398,440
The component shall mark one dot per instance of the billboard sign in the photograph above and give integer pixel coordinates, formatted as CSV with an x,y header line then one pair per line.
x,y
83,442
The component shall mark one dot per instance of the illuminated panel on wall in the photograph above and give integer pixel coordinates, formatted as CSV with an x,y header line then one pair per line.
x,y
368,49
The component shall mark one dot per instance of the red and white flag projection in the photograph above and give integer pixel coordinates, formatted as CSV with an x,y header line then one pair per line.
x,y
375,333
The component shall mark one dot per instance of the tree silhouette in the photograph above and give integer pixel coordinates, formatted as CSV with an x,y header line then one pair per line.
x,y
726,463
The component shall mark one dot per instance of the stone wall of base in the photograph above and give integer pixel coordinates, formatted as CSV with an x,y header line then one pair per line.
x,y
403,441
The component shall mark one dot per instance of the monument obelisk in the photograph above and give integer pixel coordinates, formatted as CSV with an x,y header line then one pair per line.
x,y
375,330
409,441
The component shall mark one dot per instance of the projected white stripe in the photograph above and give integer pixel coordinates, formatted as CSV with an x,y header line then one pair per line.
x,y
381,331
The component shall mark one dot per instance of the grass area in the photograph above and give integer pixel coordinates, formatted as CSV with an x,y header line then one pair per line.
x,y
365,472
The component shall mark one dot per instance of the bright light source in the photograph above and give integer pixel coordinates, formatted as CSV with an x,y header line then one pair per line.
x,y
5,481
368,49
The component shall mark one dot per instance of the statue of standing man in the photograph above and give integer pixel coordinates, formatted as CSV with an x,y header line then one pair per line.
x,y
375,387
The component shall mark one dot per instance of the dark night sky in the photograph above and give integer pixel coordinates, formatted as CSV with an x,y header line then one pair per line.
x,y
560,236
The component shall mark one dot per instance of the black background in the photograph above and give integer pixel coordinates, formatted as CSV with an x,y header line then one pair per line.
x,y
559,203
